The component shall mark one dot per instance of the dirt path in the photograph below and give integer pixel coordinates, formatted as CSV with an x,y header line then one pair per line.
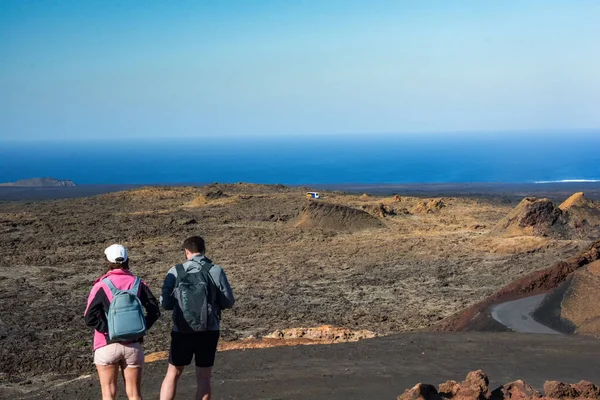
x,y
378,368
516,315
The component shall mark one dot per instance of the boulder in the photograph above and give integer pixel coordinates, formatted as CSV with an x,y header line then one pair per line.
x,y
517,390
560,390
420,391
474,387
587,390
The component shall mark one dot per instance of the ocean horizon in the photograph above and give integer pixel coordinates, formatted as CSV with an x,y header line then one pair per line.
x,y
538,157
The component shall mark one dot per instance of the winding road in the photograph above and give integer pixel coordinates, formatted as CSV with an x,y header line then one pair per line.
x,y
516,315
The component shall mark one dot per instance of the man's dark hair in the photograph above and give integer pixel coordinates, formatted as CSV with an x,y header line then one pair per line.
x,y
194,244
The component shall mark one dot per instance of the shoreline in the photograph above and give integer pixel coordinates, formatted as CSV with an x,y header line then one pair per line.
x,y
511,191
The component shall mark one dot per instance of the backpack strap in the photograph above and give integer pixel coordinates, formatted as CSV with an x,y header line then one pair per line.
x,y
110,285
181,273
206,266
135,289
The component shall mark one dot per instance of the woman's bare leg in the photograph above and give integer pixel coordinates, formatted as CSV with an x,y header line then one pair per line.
x,y
108,375
133,382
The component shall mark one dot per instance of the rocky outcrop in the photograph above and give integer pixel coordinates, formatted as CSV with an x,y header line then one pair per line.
x,y
517,390
380,210
476,387
575,218
429,207
325,333
213,194
533,217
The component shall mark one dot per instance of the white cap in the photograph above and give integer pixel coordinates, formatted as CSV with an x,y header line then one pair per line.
x,y
116,253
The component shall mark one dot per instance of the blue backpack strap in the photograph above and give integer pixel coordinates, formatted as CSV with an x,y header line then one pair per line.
x,y
110,285
136,286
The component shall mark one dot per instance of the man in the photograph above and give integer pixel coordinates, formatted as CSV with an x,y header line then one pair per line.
x,y
191,336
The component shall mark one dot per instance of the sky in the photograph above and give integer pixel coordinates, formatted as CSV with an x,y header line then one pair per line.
x,y
130,69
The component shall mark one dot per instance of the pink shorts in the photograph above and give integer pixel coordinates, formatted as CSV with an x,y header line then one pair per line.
x,y
126,355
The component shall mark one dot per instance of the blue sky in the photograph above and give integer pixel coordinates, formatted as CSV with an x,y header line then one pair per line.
x,y
100,69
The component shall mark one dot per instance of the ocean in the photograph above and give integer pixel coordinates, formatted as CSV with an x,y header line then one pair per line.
x,y
331,159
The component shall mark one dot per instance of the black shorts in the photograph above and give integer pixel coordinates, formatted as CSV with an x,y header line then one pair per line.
x,y
200,345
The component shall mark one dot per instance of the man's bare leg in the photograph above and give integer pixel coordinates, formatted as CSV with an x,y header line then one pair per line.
x,y
203,386
169,385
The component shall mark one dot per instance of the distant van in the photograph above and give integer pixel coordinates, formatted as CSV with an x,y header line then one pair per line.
x,y
312,195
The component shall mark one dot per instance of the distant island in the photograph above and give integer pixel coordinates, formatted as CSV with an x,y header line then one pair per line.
x,y
40,182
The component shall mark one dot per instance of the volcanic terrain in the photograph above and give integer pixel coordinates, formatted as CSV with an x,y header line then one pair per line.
x,y
380,265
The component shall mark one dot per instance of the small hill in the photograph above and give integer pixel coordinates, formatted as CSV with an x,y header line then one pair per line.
x,y
40,182
533,217
576,200
583,216
318,214
575,218
574,306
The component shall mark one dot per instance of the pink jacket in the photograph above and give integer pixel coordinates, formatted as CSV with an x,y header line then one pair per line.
x,y
101,296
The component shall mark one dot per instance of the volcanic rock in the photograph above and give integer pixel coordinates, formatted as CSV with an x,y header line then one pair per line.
x,y
475,387
587,389
214,194
517,390
325,333
560,390
534,217
420,391
381,210
429,207
575,218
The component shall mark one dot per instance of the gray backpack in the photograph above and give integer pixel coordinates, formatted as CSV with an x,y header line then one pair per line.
x,y
196,296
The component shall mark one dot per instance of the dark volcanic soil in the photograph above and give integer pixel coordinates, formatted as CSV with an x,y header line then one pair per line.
x,y
374,369
407,273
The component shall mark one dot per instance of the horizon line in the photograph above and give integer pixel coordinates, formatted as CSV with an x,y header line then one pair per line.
x,y
295,135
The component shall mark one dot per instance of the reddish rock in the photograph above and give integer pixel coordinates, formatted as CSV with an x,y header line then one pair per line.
x,y
517,390
475,386
421,391
449,388
560,390
587,390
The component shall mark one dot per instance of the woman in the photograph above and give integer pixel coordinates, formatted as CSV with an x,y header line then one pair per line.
x,y
110,355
